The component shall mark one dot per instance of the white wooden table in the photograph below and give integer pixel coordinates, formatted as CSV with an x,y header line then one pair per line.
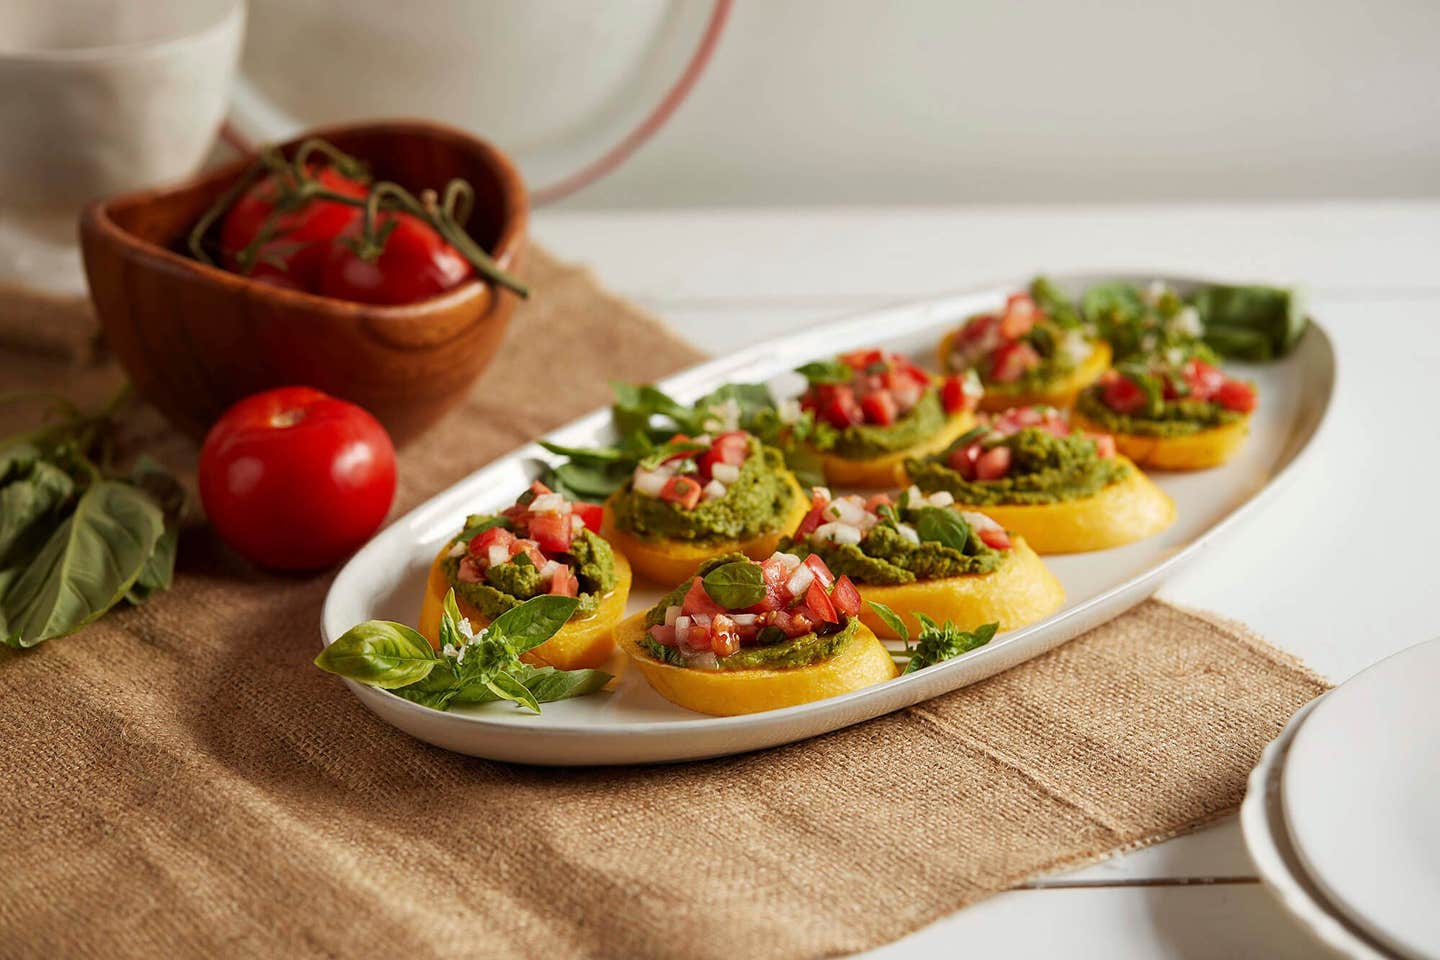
x,y
1340,571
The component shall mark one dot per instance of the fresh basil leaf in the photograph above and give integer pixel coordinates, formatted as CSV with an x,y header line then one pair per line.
x,y
635,404
29,502
670,449
943,526
826,371
750,398
438,689
770,634
547,684
937,643
449,634
529,624
86,565
590,454
588,482
506,686
478,523
162,487
1251,322
1055,304
380,653
735,585
892,620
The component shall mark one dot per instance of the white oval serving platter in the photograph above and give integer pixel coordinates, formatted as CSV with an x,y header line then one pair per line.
x,y
632,724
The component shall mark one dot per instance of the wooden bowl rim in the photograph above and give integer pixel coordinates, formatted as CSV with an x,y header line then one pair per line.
x,y
514,216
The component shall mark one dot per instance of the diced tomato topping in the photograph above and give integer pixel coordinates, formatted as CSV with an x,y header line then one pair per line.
x,y
1203,379
564,583
591,514
776,594
724,638
995,538
993,463
470,571
952,395
818,604
551,531
903,369
812,521
878,500
835,404
978,328
1121,394
530,548
480,543
1010,361
792,623
683,491
1236,395
880,407
733,447
1104,444
860,359
845,597
1020,316
823,576
698,637
698,601
539,489
963,461
663,635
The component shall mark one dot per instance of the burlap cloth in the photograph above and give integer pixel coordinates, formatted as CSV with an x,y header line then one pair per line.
x,y
180,781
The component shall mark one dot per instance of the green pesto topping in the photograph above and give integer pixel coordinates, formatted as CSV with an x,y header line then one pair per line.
x,y
865,441
886,557
1169,418
787,654
509,584
754,504
1044,468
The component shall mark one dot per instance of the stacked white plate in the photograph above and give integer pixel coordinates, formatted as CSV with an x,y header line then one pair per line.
x,y
1342,816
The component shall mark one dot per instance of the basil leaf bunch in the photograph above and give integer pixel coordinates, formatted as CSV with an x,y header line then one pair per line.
x,y
470,667
936,642
78,535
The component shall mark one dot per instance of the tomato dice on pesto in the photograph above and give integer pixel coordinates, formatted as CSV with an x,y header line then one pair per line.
x,y
1160,399
737,614
543,544
876,403
1022,348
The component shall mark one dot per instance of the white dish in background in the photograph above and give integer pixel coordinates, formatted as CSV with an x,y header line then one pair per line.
x,y
1262,820
1361,783
633,724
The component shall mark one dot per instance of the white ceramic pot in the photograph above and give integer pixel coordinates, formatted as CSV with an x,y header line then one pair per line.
x,y
101,96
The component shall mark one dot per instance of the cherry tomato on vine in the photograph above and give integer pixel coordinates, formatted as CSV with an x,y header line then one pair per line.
x,y
295,479
415,264
294,256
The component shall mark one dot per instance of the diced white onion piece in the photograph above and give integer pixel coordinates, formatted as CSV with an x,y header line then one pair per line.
x,y
908,532
831,511
837,533
700,619
726,473
497,554
868,521
915,495
714,490
549,503
703,438
744,619
649,482
704,661
682,630
458,550
822,493
787,560
849,510
941,498
800,580
672,615
549,569
979,521
576,525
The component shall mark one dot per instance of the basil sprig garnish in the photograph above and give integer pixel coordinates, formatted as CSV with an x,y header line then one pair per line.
x,y
470,667
936,642
736,585
943,526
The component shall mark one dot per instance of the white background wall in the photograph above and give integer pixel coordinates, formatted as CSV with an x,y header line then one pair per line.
x,y
924,101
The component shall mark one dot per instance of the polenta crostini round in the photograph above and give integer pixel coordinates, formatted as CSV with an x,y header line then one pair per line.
x,y
921,554
1187,416
742,636
1024,355
1062,491
543,544
700,498
876,409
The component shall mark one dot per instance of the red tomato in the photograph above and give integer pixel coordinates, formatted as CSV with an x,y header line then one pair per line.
x,y
993,463
302,236
681,490
1020,316
835,403
415,264
698,601
880,408
952,395
1236,395
295,479
591,514
1104,444
480,543
1203,379
551,531
1121,394
1010,361
663,635
963,461
776,595
860,359
845,597
995,538
978,328
818,603
822,572
564,583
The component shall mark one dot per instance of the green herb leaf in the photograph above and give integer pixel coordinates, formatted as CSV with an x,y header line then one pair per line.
x,y
892,620
669,449
531,623
159,570
735,585
826,371
29,501
507,687
380,653
85,567
937,642
635,404
449,633
599,455
943,526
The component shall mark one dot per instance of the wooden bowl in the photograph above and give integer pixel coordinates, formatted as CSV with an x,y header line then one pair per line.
x,y
195,338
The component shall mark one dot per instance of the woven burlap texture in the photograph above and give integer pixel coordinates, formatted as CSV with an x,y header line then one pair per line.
x,y
180,781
